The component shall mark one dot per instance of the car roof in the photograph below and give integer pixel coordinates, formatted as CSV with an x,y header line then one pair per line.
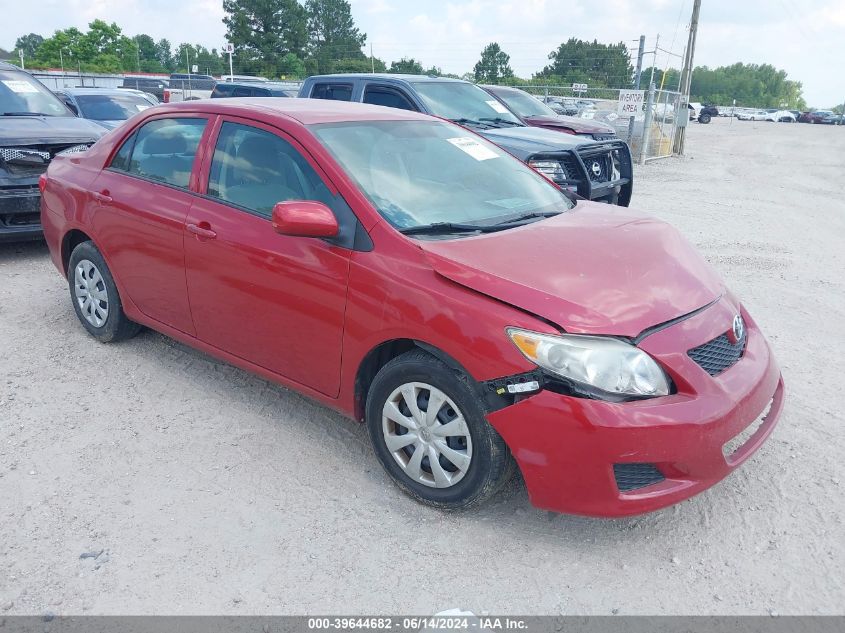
x,y
388,77
260,84
306,111
6,66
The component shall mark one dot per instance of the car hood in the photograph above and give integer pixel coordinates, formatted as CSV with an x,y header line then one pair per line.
x,y
576,124
594,270
110,124
40,130
525,141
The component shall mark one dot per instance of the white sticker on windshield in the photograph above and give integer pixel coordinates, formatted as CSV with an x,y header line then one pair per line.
x,y
498,107
20,86
473,148
140,107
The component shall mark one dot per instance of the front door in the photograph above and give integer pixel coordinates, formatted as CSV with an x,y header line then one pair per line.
x,y
274,300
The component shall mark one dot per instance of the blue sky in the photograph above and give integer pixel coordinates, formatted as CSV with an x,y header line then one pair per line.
x,y
804,37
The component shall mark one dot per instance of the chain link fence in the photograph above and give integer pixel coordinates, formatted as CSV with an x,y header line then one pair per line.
x,y
651,137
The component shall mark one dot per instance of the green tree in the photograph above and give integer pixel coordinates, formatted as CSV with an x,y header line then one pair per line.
x,y
164,54
752,85
334,35
264,33
408,66
28,44
598,65
359,65
292,67
493,66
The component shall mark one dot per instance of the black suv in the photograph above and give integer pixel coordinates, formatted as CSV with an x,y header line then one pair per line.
x,y
34,126
152,85
707,113
253,89
599,171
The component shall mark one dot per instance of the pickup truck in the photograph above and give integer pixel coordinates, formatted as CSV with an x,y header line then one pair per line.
x,y
600,171
185,87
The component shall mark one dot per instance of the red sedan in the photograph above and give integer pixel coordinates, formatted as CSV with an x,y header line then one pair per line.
x,y
413,276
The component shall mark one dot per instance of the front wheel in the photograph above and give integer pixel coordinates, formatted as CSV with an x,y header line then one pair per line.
x,y
704,118
429,432
95,298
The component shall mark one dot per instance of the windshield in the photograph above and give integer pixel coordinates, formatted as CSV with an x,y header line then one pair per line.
x,y
20,94
524,104
116,107
418,173
455,100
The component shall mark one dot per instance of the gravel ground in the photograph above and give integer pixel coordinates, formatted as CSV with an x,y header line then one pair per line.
x,y
146,477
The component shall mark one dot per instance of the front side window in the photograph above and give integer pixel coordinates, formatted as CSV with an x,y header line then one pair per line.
x,y
387,97
418,173
335,92
255,169
162,150
458,100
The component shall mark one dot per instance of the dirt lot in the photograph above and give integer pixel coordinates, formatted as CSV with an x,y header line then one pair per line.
x,y
209,490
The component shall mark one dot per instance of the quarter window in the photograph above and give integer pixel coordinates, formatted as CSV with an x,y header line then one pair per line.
x,y
255,169
162,150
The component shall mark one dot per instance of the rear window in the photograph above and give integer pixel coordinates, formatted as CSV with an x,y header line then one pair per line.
x,y
334,92
162,150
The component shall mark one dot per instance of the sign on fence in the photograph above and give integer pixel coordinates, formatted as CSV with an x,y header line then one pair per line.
x,y
579,87
631,104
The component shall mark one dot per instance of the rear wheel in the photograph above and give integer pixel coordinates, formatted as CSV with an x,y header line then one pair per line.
x,y
428,431
704,118
95,297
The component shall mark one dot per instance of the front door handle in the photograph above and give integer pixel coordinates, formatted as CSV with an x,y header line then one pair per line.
x,y
202,231
102,197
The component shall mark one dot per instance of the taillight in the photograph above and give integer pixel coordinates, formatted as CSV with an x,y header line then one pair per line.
x,y
166,96
42,182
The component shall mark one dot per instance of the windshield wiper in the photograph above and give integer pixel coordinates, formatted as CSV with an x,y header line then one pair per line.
x,y
523,219
25,114
441,227
463,121
500,121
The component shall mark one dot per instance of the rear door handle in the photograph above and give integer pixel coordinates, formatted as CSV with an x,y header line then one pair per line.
x,y
102,197
202,230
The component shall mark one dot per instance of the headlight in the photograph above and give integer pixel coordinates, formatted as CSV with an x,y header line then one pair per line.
x,y
549,168
606,364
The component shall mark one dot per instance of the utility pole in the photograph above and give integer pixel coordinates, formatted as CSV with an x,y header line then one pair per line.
x,y
20,52
637,77
372,59
686,75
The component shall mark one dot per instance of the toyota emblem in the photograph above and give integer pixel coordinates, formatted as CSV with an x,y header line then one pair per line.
x,y
596,167
737,330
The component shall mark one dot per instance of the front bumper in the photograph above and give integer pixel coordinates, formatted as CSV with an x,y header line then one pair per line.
x,y
20,212
567,447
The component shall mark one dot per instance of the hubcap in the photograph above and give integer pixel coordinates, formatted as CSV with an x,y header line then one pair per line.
x,y
427,435
91,294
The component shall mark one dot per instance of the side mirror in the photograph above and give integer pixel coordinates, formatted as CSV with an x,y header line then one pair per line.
x,y
72,107
304,218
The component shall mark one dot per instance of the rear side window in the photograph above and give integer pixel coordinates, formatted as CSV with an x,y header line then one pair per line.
x,y
162,150
387,97
255,169
335,92
241,91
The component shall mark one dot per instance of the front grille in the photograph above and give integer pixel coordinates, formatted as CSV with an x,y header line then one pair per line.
x,y
634,476
717,355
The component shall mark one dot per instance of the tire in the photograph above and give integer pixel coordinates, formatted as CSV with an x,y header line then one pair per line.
x,y
95,298
704,118
483,463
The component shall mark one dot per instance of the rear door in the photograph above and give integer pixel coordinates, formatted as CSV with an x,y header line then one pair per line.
x,y
141,201
276,301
